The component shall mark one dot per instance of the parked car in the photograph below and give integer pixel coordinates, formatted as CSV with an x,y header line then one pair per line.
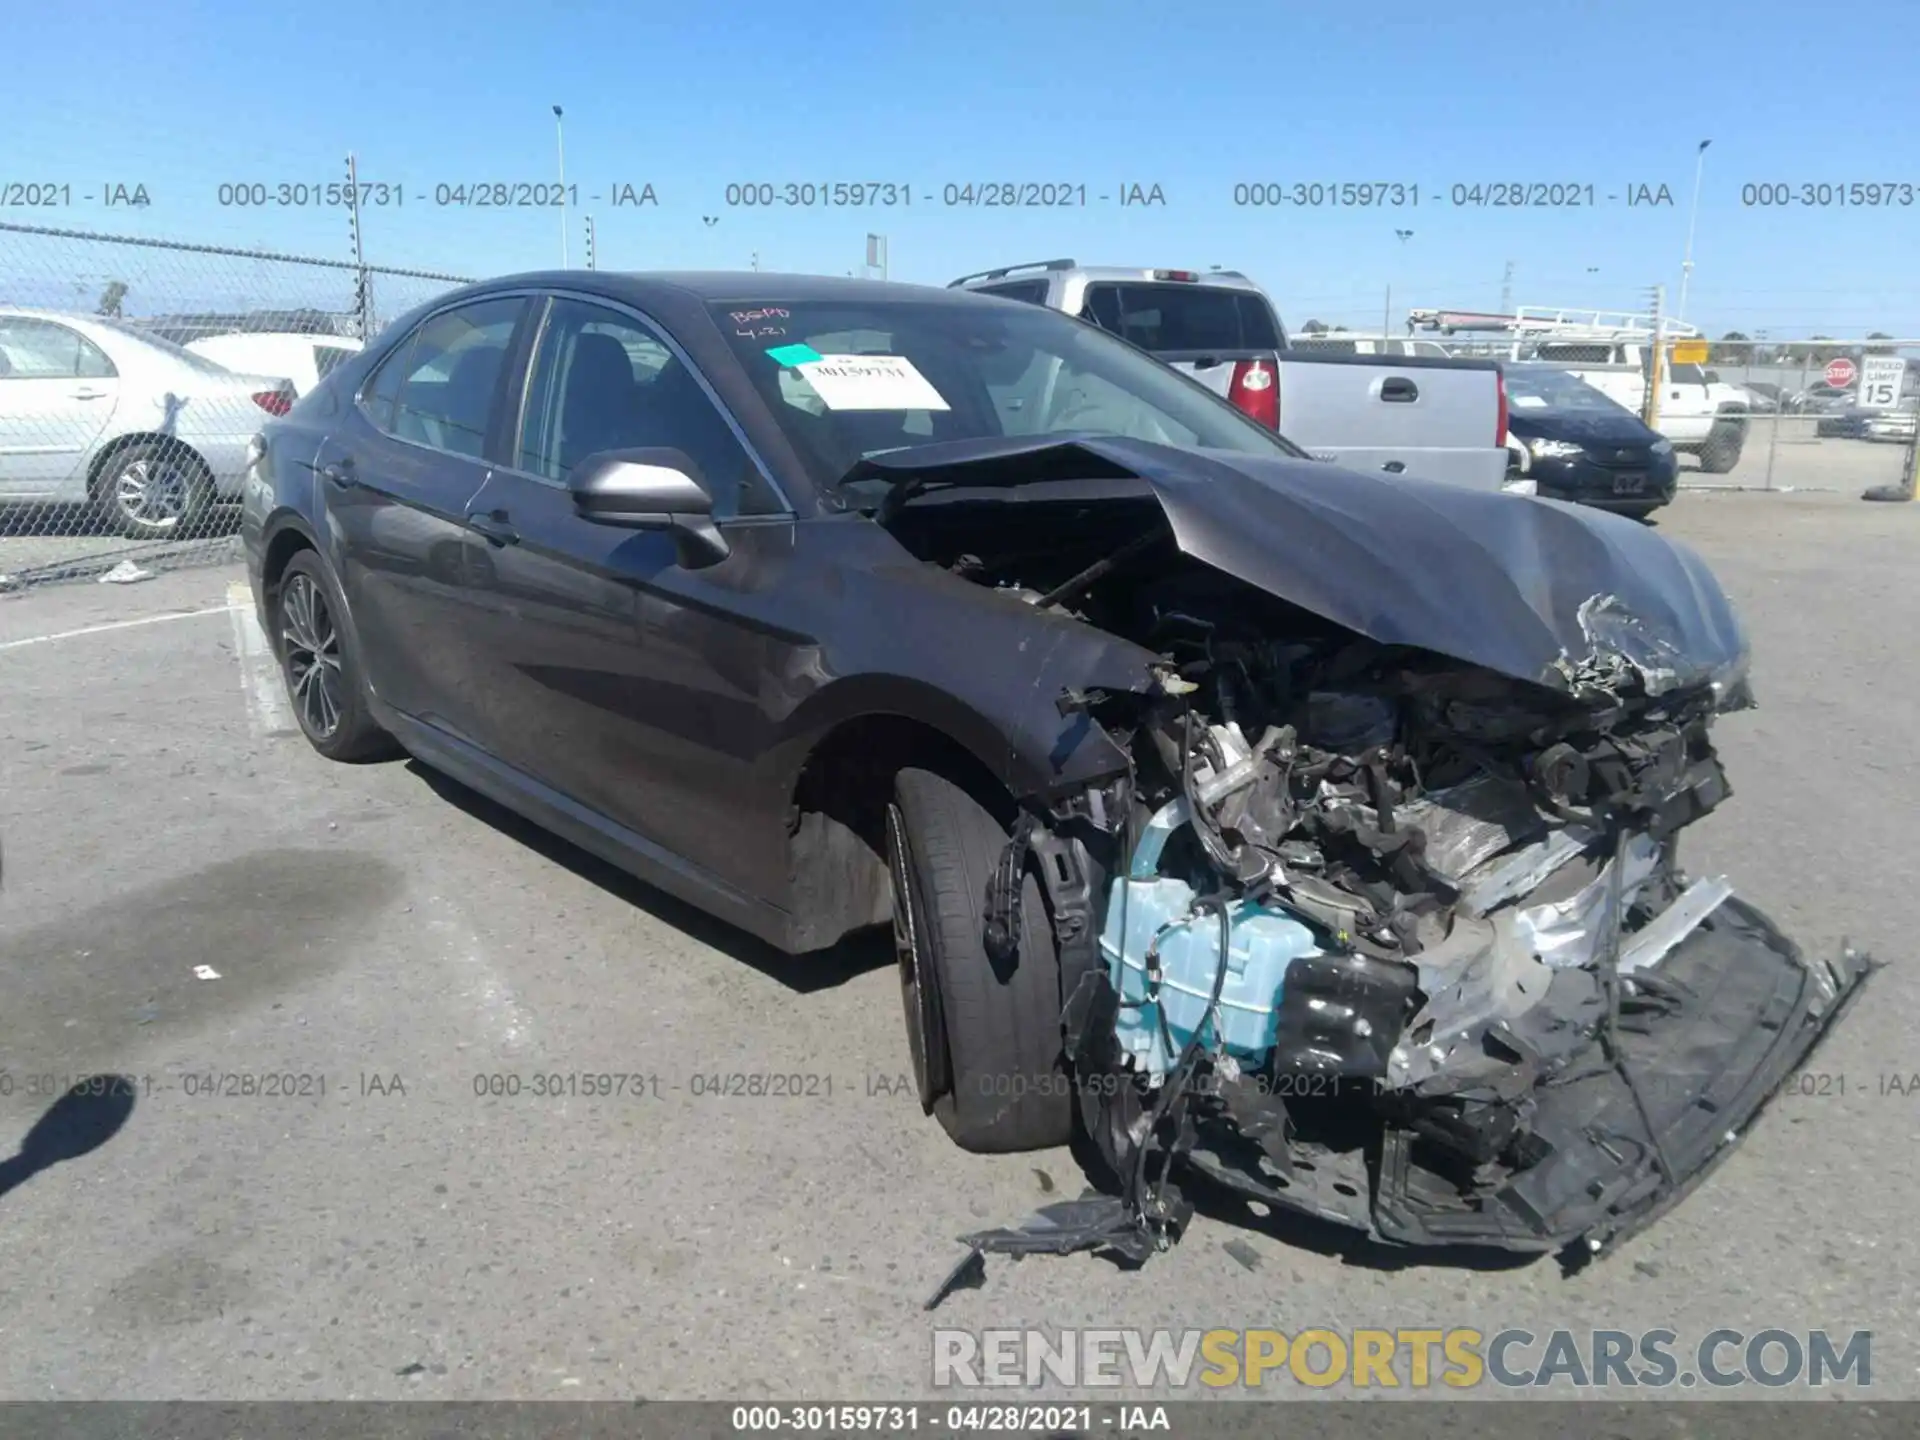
x,y
1892,426
1700,417
304,359
1763,398
1423,415
1821,398
871,604
1576,444
94,411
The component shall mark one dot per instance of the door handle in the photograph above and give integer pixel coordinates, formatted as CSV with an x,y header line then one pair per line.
x,y
495,526
340,472
1398,390
1395,467
89,395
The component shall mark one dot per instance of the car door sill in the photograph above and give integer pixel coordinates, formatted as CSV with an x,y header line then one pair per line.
x,y
586,827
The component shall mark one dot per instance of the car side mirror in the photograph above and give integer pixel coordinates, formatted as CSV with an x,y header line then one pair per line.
x,y
651,489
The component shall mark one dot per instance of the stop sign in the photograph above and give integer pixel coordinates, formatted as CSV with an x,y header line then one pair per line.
x,y
1841,373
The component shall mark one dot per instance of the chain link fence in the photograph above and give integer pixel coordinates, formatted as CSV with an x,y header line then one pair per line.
x,y
1835,414
133,373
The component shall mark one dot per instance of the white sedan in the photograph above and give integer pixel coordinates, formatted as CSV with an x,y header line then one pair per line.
x,y
95,411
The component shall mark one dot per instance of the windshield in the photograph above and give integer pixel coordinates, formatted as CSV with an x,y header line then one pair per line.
x,y
848,380
1555,390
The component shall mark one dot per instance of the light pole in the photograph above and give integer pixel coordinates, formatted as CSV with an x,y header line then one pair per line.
x,y
560,141
1693,215
1386,315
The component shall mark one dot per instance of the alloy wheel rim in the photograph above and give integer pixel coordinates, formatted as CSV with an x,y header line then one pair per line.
x,y
154,492
914,996
310,643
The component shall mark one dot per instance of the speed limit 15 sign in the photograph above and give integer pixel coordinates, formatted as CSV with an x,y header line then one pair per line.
x,y
1880,377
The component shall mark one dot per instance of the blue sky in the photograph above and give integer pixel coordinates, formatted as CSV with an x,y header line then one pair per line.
x,y
691,97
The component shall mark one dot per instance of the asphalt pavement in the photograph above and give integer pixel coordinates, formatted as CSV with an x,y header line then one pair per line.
x,y
326,1168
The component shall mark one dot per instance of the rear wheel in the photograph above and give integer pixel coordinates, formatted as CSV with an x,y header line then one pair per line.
x,y
321,667
984,1033
1721,450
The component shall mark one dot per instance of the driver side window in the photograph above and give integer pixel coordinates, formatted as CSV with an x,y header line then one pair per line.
x,y
602,380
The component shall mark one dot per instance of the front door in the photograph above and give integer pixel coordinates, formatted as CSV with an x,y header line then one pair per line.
x,y
613,675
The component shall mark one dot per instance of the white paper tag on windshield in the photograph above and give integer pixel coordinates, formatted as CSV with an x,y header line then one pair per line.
x,y
870,382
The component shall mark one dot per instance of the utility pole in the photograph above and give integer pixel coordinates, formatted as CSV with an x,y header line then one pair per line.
x,y
590,264
1656,371
560,141
1506,290
1693,216
756,261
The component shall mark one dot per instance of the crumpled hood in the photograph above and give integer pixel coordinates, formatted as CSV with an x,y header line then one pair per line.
x,y
1557,594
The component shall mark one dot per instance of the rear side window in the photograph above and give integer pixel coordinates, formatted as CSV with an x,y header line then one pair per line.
x,y
1034,292
439,387
1183,317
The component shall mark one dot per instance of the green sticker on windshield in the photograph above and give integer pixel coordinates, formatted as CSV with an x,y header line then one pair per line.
x,y
793,354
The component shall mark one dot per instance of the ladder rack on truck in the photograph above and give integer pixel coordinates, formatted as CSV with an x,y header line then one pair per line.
x,y
1532,325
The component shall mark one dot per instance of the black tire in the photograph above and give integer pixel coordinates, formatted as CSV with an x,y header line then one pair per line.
x,y
1720,452
985,1036
155,490
1636,512
321,667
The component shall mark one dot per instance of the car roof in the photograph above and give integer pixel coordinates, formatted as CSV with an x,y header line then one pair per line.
x,y
720,286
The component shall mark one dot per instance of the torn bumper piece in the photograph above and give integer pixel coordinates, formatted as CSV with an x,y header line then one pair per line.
x,y
1714,1025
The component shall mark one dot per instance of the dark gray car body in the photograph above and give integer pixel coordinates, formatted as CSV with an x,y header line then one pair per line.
x,y
700,725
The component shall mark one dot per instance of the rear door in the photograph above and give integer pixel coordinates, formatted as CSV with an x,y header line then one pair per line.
x,y
58,392
395,479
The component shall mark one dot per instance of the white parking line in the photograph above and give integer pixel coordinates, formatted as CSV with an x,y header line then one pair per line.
x,y
120,625
268,711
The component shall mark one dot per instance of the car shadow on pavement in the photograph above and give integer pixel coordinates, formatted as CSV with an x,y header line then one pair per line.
x,y
83,1119
804,974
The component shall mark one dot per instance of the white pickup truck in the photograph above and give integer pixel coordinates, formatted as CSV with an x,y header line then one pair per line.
x,y
1433,417
1613,352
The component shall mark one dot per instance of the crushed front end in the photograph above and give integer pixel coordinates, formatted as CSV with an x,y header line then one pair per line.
x,y
1379,913
1405,944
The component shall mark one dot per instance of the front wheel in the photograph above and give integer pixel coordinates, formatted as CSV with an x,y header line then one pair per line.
x,y
155,490
984,1032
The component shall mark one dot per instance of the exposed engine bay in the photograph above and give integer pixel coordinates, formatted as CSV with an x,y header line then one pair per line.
x,y
1375,933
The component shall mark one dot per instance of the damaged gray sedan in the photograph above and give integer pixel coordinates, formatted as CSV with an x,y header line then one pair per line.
x,y
1312,833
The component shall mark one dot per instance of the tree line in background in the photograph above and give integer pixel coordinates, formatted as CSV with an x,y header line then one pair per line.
x,y
1735,348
